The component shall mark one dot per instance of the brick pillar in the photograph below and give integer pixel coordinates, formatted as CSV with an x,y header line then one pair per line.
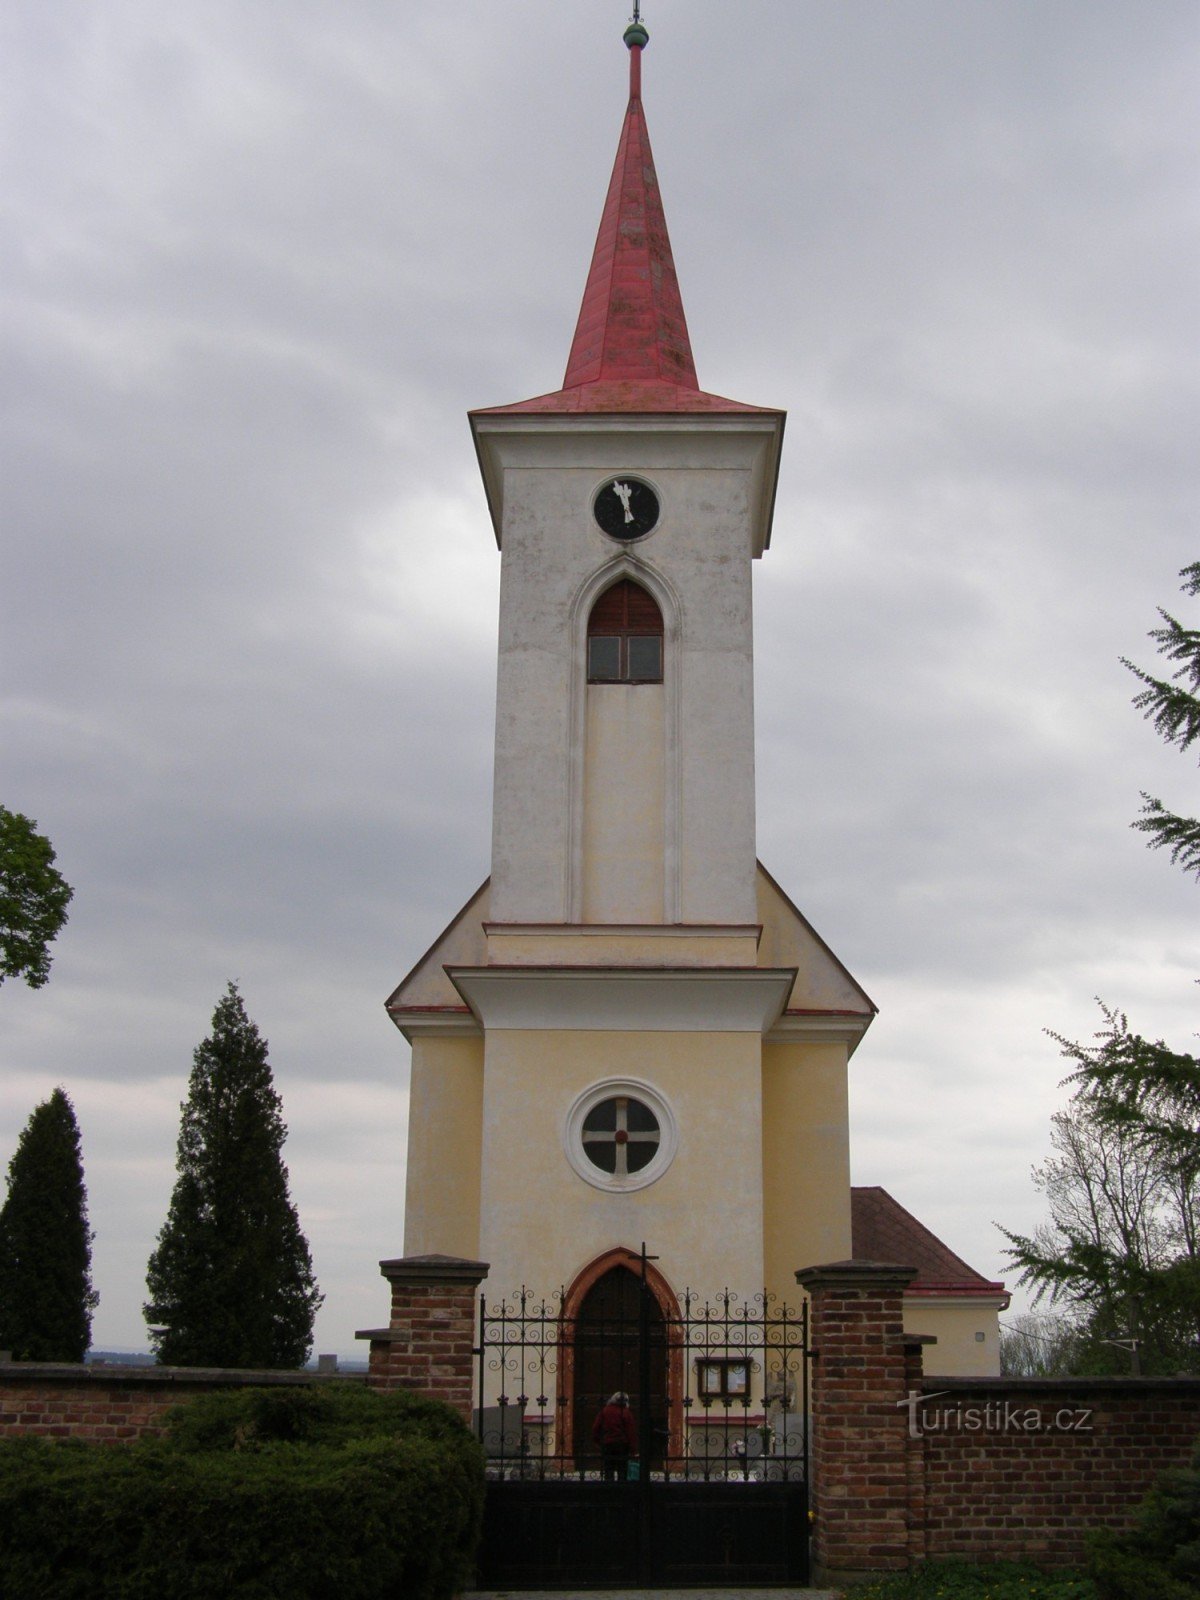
x,y
859,1421
429,1342
914,1374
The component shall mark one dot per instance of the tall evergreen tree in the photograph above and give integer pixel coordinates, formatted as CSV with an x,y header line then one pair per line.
x,y
231,1280
1122,1248
1173,705
46,1294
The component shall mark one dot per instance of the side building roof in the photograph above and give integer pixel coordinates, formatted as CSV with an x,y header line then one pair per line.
x,y
882,1230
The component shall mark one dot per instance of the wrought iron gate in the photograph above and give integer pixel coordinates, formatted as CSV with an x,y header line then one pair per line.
x,y
717,1490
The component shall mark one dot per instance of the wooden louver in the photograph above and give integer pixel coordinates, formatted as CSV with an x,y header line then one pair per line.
x,y
624,609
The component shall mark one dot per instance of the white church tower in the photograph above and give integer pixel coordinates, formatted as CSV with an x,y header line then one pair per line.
x,y
629,1033
614,1041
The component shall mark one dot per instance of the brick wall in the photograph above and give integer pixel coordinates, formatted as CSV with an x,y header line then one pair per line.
x,y
984,1469
1027,1467
427,1347
111,1403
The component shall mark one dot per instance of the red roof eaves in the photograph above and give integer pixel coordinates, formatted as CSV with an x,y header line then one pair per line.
x,y
421,1011
956,1289
822,1011
627,396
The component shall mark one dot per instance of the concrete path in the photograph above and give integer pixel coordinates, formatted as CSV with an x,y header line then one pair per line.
x,y
654,1594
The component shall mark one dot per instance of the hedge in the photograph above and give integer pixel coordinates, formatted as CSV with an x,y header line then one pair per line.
x,y
1159,1557
300,1494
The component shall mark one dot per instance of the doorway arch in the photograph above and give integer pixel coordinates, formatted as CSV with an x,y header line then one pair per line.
x,y
602,1352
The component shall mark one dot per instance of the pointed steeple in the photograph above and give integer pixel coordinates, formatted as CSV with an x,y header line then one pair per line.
x,y
631,323
631,350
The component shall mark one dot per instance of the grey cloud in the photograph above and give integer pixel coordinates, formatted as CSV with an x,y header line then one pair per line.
x,y
257,265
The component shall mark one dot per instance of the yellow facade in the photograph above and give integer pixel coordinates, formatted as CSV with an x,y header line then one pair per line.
x,y
445,1127
806,1160
745,1034
967,1333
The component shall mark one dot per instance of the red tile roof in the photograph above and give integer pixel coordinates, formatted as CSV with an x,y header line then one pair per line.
x,y
882,1230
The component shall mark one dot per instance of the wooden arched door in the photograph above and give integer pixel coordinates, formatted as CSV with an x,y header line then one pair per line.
x,y
620,1343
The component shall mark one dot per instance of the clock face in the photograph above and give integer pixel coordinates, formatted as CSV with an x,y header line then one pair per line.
x,y
626,508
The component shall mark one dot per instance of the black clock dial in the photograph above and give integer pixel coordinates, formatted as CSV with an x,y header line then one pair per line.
x,y
626,508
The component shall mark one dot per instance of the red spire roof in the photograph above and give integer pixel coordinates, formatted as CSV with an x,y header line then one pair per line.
x,y
631,323
631,350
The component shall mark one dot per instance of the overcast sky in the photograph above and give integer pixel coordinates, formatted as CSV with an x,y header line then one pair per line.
x,y
258,260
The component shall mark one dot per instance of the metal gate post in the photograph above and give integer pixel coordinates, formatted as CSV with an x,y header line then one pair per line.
x,y
645,1430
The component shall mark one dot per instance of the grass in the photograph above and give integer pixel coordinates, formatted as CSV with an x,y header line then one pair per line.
x,y
954,1580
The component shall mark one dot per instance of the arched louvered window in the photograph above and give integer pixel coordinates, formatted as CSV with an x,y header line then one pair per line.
x,y
625,636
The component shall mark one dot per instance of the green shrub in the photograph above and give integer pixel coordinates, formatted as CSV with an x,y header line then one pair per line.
x,y
1160,1558
960,1580
297,1494
328,1414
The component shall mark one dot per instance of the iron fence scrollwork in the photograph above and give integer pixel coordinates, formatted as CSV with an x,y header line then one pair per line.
x,y
718,1385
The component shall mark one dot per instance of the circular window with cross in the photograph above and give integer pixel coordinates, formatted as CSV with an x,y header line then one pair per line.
x,y
620,1135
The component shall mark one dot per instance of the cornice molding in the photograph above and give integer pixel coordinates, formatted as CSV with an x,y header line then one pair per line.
x,y
821,1027
626,999
426,1022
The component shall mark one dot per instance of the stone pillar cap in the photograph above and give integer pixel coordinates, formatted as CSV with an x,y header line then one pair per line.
x,y
434,1269
856,1275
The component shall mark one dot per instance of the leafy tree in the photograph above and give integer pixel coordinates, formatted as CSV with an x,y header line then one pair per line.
x,y
46,1294
34,897
231,1281
1173,705
1122,1248
1039,1344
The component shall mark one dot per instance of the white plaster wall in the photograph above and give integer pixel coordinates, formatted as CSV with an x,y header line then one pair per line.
x,y
705,473
624,804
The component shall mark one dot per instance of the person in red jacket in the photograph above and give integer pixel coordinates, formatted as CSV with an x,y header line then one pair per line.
x,y
615,1431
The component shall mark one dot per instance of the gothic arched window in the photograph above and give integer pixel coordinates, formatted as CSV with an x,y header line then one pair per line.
x,y
625,636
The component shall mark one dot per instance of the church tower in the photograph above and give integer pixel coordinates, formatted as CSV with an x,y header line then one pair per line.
x,y
629,1033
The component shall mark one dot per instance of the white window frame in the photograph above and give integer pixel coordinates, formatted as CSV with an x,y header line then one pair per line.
x,y
608,1089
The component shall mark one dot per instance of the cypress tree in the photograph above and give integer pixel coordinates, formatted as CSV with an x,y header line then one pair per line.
x,y
46,1294
231,1281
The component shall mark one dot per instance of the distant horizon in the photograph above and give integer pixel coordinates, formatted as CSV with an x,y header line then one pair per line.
x,y
131,1356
